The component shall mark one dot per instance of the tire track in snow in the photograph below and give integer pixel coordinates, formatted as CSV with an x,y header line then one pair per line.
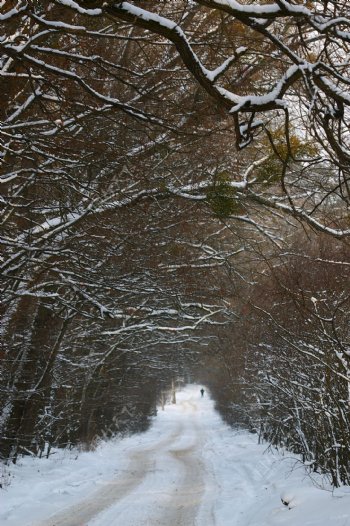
x,y
184,502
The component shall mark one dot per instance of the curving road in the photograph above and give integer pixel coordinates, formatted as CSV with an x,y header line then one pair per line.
x,y
164,483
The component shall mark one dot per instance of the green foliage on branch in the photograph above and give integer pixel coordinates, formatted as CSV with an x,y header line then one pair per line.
x,y
222,198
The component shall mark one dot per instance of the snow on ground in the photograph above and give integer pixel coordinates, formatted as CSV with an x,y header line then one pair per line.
x,y
188,469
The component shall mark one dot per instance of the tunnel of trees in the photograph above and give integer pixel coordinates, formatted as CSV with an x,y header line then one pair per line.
x,y
175,207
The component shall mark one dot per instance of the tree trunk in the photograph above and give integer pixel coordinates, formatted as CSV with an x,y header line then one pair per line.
x,y
32,385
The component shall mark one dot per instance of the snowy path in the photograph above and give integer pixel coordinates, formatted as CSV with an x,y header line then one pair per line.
x,y
163,484
141,464
188,469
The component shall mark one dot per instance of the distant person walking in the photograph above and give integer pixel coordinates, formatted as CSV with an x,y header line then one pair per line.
x,y
202,392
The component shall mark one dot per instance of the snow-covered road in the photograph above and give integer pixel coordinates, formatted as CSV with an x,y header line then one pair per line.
x,y
163,482
188,469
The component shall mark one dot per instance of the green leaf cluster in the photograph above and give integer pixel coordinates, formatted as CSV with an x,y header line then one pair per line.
x,y
222,198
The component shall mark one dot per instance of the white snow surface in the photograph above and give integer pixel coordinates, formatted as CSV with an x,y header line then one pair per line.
x,y
188,469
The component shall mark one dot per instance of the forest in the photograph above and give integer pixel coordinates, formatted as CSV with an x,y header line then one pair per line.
x,y
174,206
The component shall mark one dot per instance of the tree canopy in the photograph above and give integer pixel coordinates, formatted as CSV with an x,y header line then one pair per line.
x,y
174,178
